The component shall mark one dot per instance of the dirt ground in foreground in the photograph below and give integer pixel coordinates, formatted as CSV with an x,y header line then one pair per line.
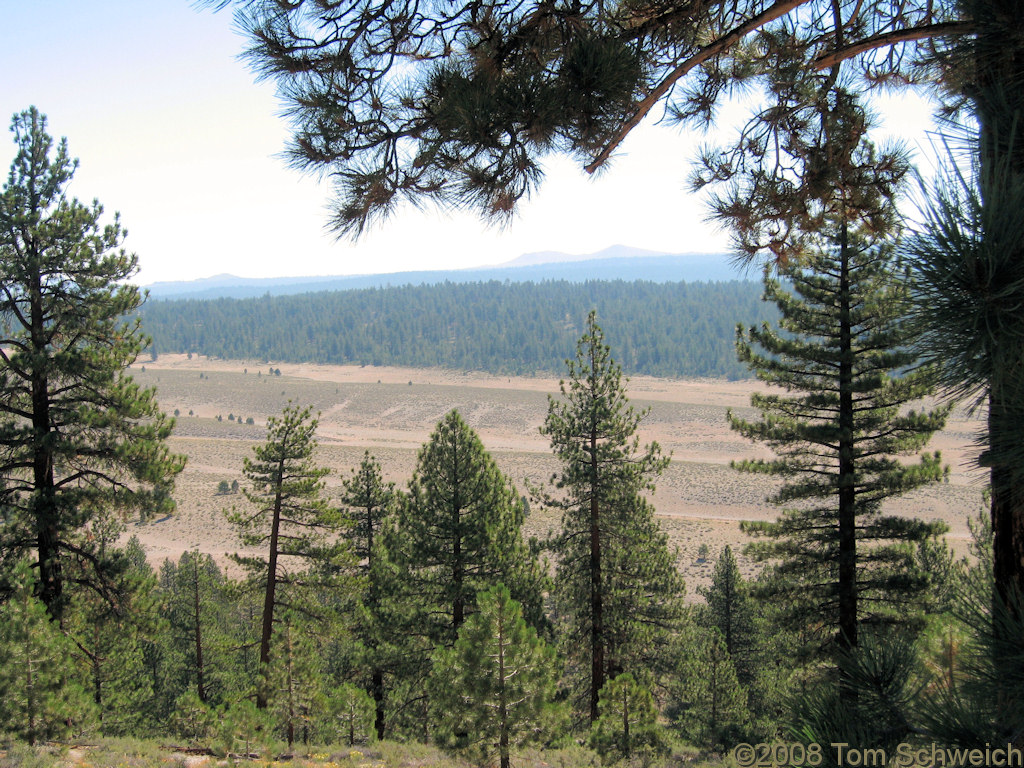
x,y
391,412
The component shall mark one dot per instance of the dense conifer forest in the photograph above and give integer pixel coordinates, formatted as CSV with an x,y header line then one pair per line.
x,y
661,329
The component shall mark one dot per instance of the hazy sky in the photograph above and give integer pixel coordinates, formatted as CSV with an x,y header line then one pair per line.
x,y
172,131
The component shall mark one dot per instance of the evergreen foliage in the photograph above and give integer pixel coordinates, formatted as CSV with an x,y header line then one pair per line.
x,y
618,592
841,347
665,329
80,439
443,104
970,278
494,689
351,714
627,724
732,611
192,719
39,696
455,533
110,638
369,503
290,520
459,529
195,605
711,707
977,694
296,679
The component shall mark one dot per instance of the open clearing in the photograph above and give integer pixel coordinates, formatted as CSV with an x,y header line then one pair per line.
x,y
391,412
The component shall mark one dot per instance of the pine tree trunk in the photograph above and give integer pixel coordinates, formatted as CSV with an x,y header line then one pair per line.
x,y
377,684
269,596
596,596
44,503
200,686
847,561
999,106
1007,508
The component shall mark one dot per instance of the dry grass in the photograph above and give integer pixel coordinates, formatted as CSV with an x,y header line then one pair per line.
x,y
391,412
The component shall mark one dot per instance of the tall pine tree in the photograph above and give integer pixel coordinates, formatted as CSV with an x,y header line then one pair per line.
x,y
40,696
78,436
369,502
456,532
617,586
290,521
841,347
460,531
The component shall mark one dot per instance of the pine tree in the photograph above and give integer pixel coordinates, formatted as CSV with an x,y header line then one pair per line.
x,y
493,688
369,501
195,606
110,634
628,720
80,437
40,697
296,679
841,345
293,524
459,532
455,533
759,658
731,610
712,703
617,586
351,715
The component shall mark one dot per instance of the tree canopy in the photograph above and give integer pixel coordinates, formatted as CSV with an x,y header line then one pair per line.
x,y
79,440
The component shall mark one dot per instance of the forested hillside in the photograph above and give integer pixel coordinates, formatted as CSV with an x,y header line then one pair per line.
x,y
662,329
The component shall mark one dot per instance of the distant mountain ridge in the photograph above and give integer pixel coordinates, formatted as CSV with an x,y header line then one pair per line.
x,y
612,252
615,263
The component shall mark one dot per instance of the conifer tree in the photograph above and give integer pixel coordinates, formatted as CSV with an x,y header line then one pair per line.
x,y
455,533
296,679
369,502
367,499
191,718
194,604
617,585
491,690
109,636
628,720
351,714
79,437
40,697
759,658
841,346
293,524
459,532
712,703
730,608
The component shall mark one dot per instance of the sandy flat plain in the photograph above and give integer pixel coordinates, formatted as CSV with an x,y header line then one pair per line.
x,y
391,412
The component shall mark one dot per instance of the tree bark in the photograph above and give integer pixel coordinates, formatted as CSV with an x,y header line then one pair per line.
x,y
200,685
847,518
270,597
597,640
